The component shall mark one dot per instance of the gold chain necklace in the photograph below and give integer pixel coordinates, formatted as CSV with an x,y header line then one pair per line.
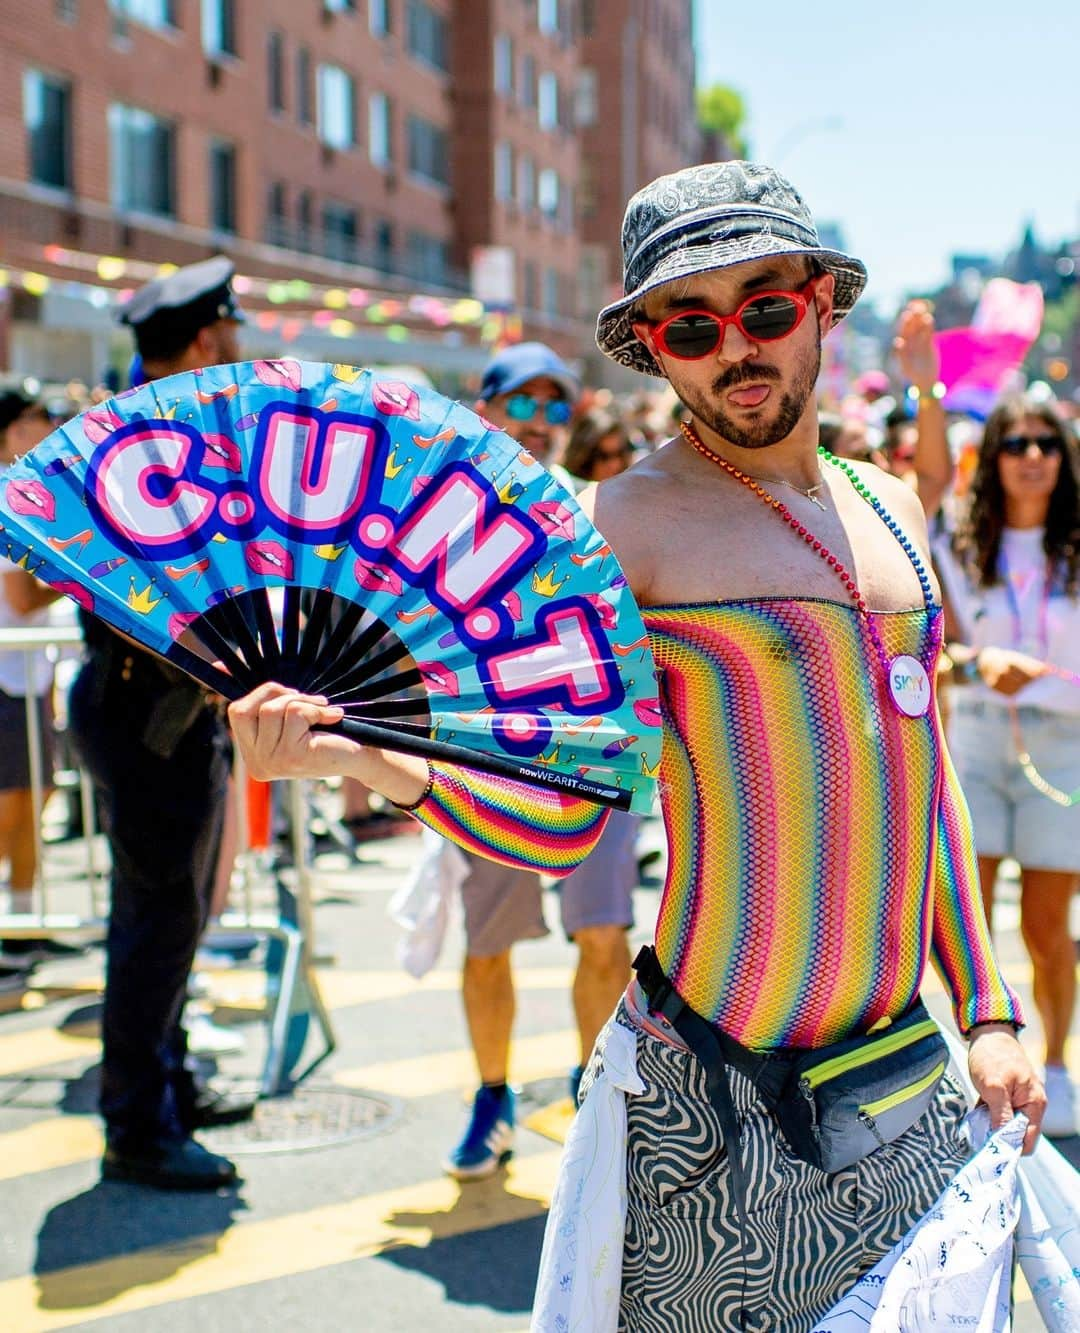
x,y
810,494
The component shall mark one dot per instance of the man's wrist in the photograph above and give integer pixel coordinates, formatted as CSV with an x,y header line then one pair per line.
x,y
993,1025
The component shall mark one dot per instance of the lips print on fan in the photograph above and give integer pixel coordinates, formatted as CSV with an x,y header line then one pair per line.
x,y
357,537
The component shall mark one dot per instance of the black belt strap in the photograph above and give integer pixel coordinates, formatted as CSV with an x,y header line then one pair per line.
x,y
704,1041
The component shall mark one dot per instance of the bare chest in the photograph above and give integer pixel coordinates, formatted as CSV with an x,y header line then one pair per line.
x,y
745,549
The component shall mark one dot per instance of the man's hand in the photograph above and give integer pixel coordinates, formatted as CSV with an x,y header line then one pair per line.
x,y
273,728
914,346
1004,1079
1007,671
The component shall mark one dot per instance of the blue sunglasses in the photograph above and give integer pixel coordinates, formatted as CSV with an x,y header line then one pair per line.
x,y
522,407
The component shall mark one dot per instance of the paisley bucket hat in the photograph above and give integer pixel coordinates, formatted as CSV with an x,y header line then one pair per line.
x,y
706,218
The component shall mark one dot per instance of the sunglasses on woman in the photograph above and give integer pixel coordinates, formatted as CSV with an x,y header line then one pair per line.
x,y
763,318
1017,445
522,407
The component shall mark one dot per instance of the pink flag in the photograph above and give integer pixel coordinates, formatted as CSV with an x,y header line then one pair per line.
x,y
1010,307
973,358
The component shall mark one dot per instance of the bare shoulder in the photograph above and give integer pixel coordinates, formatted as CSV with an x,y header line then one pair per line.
x,y
898,499
630,511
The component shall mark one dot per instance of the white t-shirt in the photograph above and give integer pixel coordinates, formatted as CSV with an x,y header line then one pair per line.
x,y
13,662
1020,616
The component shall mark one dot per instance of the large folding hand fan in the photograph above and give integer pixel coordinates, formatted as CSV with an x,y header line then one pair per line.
x,y
353,537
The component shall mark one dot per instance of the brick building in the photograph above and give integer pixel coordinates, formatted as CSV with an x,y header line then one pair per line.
x,y
637,120
350,155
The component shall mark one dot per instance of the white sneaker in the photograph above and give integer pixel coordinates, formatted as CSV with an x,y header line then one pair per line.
x,y
1060,1118
208,1038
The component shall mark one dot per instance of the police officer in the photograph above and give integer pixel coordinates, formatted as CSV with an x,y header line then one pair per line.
x,y
159,755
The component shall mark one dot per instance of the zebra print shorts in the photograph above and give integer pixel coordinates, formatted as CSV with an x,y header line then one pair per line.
x,y
810,1235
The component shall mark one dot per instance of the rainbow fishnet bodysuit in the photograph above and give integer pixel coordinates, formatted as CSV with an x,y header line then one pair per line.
x,y
819,845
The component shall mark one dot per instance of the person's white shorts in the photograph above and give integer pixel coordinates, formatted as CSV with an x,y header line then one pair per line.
x,y
1012,818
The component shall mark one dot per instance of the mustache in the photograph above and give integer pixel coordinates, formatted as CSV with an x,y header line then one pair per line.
x,y
744,373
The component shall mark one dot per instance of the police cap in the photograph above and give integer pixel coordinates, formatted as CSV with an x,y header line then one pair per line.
x,y
167,314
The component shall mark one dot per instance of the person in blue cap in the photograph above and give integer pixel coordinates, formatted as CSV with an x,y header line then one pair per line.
x,y
159,755
529,392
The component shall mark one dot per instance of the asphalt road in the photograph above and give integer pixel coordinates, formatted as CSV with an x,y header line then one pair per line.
x,y
363,1234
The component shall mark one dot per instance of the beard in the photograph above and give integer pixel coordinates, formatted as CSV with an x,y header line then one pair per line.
x,y
768,430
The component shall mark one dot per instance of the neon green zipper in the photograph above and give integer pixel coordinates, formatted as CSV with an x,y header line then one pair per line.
x,y
873,1109
840,1064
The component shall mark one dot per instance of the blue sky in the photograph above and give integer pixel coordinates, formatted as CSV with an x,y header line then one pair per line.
x,y
922,129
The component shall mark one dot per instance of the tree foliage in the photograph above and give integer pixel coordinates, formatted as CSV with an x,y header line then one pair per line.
x,y
722,110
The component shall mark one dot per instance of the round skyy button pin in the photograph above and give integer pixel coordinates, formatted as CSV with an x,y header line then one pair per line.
x,y
909,685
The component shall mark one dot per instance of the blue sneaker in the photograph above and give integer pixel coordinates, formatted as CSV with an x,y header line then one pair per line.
x,y
575,1084
489,1139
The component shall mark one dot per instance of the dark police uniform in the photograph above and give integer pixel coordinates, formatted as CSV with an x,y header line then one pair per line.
x,y
157,749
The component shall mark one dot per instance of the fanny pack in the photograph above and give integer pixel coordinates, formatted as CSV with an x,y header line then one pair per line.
x,y
835,1105
842,1102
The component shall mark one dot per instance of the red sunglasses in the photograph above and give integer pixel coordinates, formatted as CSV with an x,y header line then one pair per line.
x,y
762,318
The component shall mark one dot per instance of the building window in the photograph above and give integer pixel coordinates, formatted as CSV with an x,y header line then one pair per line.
x,y
47,117
504,171
305,221
222,185
526,184
585,98
219,27
275,71
336,107
547,193
277,226
548,102
340,226
547,17
588,17
142,161
504,65
67,11
527,88
426,35
528,282
150,13
384,245
303,86
378,17
339,6
380,143
429,156
551,292
428,257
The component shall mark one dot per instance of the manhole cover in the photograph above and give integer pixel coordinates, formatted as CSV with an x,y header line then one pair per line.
x,y
307,1117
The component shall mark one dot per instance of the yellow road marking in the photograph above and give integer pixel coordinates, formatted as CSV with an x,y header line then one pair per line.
x,y
541,1056
278,1247
47,1144
68,1140
22,1051
553,1121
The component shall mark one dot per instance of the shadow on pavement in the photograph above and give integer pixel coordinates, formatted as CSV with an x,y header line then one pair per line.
x,y
494,1265
114,1237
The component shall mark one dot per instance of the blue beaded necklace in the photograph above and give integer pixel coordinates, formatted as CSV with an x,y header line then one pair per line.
x,y
908,678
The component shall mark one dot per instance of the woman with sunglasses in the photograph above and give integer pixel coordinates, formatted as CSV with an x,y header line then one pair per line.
x,y
599,447
1012,575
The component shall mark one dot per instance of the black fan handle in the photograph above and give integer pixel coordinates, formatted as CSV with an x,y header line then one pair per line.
x,y
499,765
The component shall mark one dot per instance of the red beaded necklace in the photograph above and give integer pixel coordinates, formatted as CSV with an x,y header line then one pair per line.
x,y
907,677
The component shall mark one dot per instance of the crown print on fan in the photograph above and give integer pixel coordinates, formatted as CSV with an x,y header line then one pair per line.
x,y
358,538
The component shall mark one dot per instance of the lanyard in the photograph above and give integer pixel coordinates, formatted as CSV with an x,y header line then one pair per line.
x,y
1065,799
1042,633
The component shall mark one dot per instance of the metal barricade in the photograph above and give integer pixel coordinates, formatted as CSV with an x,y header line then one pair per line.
x,y
292,993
